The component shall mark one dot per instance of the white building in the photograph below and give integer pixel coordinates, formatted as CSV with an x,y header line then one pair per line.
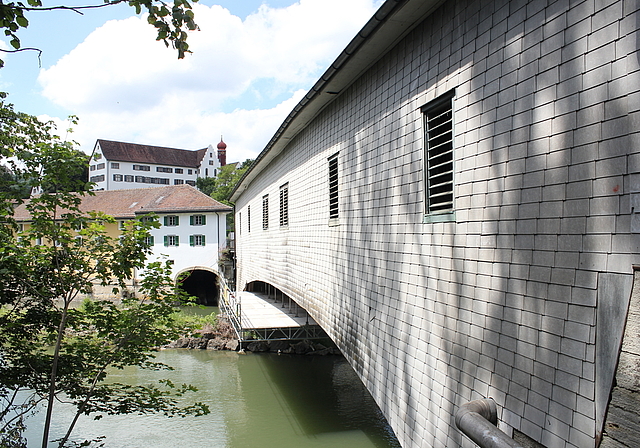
x,y
120,165
192,230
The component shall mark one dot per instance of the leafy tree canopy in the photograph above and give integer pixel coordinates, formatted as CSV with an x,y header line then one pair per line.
x,y
53,351
220,187
50,350
172,21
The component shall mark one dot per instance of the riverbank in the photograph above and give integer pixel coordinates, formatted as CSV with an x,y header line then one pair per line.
x,y
223,337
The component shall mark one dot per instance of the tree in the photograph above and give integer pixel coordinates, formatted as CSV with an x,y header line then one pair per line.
x,y
171,21
10,181
220,187
50,350
40,282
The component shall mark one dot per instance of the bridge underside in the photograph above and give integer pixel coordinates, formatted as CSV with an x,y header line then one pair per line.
x,y
262,316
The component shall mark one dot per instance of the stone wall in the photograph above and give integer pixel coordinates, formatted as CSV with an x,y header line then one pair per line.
x,y
523,297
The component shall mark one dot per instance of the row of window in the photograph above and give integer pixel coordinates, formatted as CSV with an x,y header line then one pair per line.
x,y
173,220
99,166
144,180
194,220
159,169
174,240
439,167
169,241
283,215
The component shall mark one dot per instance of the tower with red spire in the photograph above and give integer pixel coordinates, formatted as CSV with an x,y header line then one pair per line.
x,y
222,152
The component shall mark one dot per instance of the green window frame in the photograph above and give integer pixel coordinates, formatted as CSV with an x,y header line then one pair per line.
x,y
171,220
198,220
171,240
197,240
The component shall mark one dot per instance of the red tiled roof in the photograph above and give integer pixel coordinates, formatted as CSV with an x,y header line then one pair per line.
x,y
126,204
132,152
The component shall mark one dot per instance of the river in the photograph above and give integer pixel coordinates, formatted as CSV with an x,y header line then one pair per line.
x,y
257,400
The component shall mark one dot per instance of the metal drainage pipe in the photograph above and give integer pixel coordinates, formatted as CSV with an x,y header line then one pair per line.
x,y
478,419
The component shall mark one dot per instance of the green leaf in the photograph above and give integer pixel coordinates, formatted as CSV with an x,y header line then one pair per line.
x,y
22,21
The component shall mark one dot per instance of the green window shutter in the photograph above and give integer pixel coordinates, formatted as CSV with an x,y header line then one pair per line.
x,y
192,239
151,241
203,240
166,239
177,220
191,220
177,240
204,220
166,222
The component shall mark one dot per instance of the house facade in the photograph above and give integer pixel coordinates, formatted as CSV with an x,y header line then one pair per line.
x,y
192,232
455,202
121,166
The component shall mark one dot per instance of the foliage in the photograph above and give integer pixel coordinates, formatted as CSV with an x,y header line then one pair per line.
x,y
14,183
49,350
21,168
195,322
171,21
220,187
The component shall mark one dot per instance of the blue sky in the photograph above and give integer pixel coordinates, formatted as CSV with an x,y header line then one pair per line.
x,y
252,61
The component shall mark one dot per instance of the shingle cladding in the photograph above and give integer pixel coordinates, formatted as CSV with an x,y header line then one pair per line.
x,y
132,152
523,297
127,204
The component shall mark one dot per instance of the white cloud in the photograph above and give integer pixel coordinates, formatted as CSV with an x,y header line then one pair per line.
x,y
241,81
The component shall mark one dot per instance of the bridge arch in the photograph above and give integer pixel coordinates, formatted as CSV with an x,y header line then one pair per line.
x,y
201,282
305,326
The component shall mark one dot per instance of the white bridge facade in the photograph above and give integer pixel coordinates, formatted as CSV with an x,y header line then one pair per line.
x,y
520,289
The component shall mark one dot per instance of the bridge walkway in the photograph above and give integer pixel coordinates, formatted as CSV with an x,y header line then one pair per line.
x,y
262,317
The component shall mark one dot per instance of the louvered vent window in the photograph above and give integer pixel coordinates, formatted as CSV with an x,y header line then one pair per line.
x,y
333,187
248,218
284,205
265,212
438,119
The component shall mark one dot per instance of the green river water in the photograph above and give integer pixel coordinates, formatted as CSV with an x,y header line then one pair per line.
x,y
256,400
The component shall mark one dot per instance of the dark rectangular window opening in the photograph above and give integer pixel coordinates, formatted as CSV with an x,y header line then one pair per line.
x,y
141,168
284,205
333,187
265,212
248,218
438,123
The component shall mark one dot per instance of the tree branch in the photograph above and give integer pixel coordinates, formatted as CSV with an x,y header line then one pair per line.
x,y
76,9
26,49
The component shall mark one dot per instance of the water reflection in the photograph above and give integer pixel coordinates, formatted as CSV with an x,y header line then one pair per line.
x,y
256,400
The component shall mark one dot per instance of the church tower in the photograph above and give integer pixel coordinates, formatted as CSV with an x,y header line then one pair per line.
x,y
222,152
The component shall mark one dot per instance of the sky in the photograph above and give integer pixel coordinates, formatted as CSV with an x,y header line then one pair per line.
x,y
252,61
